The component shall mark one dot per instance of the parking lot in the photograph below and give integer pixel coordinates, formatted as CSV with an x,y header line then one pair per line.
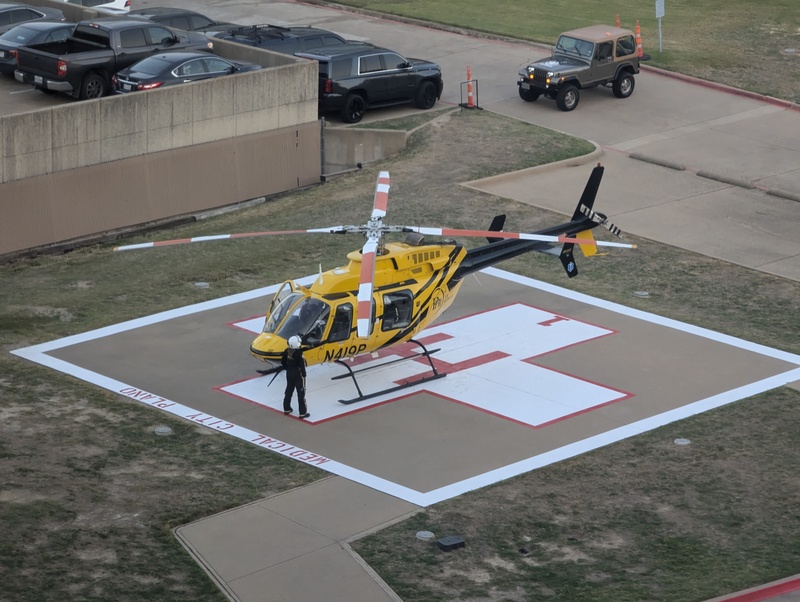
x,y
20,98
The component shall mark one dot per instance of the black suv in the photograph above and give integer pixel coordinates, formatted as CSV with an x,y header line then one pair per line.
x,y
360,76
181,18
287,40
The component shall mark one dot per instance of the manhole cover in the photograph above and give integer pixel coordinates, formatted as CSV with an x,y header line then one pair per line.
x,y
681,441
642,294
201,284
425,535
162,430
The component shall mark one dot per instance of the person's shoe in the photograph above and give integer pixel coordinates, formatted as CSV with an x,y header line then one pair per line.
x,y
287,412
306,415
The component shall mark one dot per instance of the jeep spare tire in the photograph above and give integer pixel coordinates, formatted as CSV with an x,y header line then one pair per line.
x,y
623,85
354,108
568,97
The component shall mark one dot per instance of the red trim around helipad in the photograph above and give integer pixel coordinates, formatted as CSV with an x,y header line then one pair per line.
x,y
765,592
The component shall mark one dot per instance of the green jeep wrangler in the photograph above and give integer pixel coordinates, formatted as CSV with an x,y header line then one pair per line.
x,y
598,55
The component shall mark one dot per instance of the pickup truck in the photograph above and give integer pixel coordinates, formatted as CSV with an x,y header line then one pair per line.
x,y
82,65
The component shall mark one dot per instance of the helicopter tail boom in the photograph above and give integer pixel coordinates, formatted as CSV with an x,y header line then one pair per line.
x,y
584,219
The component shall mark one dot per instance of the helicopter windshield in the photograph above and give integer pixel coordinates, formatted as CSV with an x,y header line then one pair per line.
x,y
279,311
308,319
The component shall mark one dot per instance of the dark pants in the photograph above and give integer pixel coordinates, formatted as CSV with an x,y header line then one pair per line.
x,y
294,381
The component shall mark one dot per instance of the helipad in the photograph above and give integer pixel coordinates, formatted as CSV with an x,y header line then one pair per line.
x,y
535,374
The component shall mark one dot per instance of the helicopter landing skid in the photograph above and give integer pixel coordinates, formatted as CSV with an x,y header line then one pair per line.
x,y
361,397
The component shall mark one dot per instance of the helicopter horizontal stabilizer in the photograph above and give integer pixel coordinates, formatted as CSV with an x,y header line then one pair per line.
x,y
587,249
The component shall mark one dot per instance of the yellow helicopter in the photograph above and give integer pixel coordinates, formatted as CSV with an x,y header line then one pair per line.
x,y
389,292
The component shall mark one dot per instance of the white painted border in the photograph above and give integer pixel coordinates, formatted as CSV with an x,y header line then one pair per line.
x,y
38,354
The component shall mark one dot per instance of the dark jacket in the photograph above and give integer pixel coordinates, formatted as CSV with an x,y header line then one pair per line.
x,y
293,361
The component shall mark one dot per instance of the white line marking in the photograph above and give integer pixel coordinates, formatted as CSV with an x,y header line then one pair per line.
x,y
38,354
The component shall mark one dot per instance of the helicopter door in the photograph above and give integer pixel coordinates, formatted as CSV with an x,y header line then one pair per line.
x,y
280,305
342,323
397,308
286,289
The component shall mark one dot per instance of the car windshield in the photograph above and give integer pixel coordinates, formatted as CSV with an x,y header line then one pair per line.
x,y
19,34
151,66
572,45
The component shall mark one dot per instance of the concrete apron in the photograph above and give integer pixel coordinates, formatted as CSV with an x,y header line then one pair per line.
x,y
294,545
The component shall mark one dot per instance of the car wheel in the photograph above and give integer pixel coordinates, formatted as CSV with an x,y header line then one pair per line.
x,y
568,97
354,108
93,86
528,95
623,85
426,95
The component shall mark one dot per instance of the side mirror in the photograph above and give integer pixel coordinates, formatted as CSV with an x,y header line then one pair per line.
x,y
404,65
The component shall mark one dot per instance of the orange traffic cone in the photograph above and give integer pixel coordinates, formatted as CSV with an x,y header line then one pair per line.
x,y
470,102
639,40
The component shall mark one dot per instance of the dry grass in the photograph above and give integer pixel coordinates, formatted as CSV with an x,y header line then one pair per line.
x,y
90,493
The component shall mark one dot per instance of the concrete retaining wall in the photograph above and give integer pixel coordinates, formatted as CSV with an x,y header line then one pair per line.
x,y
86,203
84,133
344,148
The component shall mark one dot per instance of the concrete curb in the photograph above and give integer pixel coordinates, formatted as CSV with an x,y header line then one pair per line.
x,y
747,184
784,194
572,162
657,161
786,104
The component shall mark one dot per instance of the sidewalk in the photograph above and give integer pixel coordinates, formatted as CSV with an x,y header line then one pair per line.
x,y
293,547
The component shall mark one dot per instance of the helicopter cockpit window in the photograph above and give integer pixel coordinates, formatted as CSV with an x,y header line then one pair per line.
x,y
397,310
342,323
279,310
308,319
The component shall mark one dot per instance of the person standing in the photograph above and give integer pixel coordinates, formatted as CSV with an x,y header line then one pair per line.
x,y
294,363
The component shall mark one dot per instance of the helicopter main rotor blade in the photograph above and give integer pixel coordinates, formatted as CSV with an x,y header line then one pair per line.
x,y
381,196
519,235
184,241
365,287
373,230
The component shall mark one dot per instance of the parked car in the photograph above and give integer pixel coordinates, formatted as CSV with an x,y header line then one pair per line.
x,y
14,14
181,18
172,68
598,55
83,64
112,7
357,77
287,40
34,32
